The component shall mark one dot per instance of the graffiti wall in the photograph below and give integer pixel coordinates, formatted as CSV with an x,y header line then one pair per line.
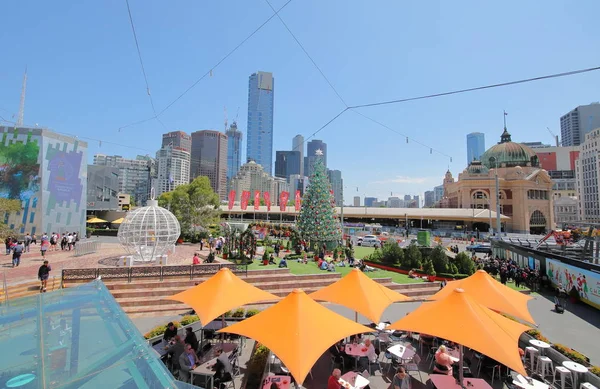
x,y
586,282
47,172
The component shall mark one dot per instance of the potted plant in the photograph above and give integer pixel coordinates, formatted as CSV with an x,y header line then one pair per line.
x,y
265,258
289,246
429,270
225,252
335,254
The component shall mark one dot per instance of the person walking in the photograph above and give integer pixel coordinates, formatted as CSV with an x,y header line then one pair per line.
x,y
17,251
43,275
27,242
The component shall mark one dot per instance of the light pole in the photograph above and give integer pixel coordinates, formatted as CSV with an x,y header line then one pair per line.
x,y
494,161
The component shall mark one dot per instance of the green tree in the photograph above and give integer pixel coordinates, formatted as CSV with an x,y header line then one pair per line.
x,y
413,257
464,263
428,268
439,259
317,221
195,205
391,253
7,205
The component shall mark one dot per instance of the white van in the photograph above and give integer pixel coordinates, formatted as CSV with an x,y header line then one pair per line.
x,y
370,241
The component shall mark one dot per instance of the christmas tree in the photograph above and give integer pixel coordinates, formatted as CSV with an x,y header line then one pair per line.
x,y
318,222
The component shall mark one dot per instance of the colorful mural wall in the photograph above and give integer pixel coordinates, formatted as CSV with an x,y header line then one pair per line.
x,y
47,172
586,282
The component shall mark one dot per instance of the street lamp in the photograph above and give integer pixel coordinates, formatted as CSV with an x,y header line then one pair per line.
x,y
494,161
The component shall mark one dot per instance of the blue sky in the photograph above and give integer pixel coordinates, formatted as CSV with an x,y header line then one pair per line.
x,y
85,78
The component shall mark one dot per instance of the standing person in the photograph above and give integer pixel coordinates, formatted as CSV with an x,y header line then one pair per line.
x,y
43,247
27,242
43,274
70,241
17,251
33,239
63,243
8,242
201,244
75,239
53,241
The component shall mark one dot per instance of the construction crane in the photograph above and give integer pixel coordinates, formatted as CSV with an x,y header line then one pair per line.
x,y
225,111
554,136
237,115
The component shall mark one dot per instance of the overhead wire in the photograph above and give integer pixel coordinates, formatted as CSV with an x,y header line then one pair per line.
x,y
139,53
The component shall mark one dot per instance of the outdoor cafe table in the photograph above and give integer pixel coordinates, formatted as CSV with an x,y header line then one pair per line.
x,y
539,345
401,351
443,381
353,380
576,368
523,383
282,381
208,360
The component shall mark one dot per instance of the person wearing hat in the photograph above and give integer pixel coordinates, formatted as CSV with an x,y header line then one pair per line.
x,y
170,332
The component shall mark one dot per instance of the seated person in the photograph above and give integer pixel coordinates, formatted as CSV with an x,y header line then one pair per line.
x,y
411,274
350,261
272,260
371,357
175,350
283,262
191,339
332,382
319,263
443,362
330,267
170,332
401,379
223,369
324,265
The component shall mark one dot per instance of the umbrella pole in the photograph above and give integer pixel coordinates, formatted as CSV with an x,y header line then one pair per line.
x,y
460,366
356,316
222,326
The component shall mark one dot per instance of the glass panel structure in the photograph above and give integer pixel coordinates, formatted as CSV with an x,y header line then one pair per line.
x,y
76,338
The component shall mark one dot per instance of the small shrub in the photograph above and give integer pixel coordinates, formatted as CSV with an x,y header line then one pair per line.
x,y
228,314
189,319
595,370
573,355
452,275
252,312
159,330
538,335
238,313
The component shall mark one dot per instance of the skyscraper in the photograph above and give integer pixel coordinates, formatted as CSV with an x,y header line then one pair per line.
x,y
178,139
134,174
287,163
173,168
234,150
298,145
259,145
475,146
580,121
337,185
356,201
429,198
209,158
311,155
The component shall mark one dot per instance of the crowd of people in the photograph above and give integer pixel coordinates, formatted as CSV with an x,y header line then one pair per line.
x,y
508,269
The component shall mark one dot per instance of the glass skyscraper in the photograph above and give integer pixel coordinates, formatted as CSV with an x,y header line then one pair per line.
x,y
475,146
259,145
234,150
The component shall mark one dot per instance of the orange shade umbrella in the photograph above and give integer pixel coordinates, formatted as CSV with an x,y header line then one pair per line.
x,y
458,317
491,293
361,294
298,330
219,294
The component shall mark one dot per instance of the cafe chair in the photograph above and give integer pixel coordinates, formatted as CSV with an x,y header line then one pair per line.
x,y
414,366
532,354
545,366
587,385
337,362
564,373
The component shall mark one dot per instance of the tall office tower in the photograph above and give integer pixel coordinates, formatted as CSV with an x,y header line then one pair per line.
x,y
369,201
587,177
337,185
298,145
475,146
429,198
209,158
173,169
407,198
259,146
178,139
287,163
417,200
438,193
356,201
234,150
311,155
394,202
134,174
580,121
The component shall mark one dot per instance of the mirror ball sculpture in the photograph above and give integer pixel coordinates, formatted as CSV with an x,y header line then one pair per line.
x,y
149,232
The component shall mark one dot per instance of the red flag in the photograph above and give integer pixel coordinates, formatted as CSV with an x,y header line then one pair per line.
x,y
256,199
283,199
245,198
298,201
231,198
267,197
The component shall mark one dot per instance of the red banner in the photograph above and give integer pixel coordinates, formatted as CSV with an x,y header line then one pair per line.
x,y
231,199
267,197
283,199
245,198
298,201
256,199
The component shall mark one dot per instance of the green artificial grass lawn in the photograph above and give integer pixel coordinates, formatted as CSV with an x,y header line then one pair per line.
x,y
311,268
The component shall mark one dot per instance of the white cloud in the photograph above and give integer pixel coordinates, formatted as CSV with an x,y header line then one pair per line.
x,y
407,180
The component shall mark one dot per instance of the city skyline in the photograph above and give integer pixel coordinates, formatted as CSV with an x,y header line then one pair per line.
x,y
305,102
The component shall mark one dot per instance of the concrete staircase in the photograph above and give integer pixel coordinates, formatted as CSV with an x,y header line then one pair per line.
x,y
146,297
26,289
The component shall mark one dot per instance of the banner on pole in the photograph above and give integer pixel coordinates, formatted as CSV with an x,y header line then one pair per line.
x,y
256,200
267,197
283,199
298,201
231,199
245,199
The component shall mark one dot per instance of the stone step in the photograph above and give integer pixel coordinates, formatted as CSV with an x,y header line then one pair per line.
x,y
30,288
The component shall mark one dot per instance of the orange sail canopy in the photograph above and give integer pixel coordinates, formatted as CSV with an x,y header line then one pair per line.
x,y
459,318
492,294
361,294
219,294
298,330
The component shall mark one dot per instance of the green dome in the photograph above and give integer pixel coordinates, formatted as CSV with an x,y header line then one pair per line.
x,y
509,154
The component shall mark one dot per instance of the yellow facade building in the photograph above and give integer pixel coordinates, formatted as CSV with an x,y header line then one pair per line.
x,y
525,189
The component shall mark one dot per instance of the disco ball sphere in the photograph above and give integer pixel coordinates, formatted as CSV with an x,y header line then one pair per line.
x,y
149,232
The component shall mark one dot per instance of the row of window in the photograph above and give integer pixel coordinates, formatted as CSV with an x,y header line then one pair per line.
x,y
534,194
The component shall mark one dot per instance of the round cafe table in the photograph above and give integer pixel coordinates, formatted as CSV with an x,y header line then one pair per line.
x,y
539,345
576,368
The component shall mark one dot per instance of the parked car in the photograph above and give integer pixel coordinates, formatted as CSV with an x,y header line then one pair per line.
x,y
370,241
480,248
